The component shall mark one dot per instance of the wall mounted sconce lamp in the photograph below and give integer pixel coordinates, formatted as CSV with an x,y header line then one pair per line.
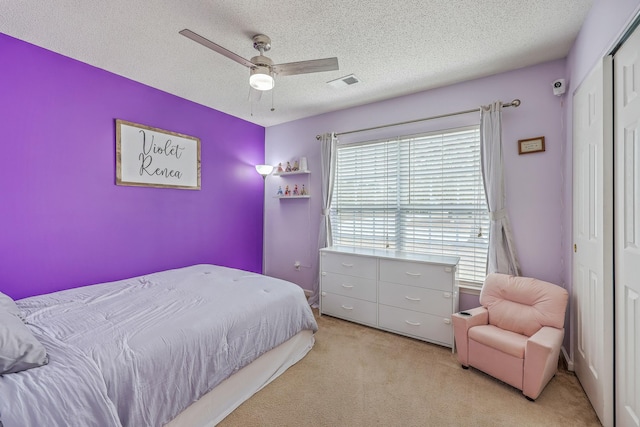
x,y
264,170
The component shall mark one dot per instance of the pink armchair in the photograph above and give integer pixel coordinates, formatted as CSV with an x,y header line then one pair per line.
x,y
517,333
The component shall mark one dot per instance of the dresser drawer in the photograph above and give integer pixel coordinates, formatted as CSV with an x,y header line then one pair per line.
x,y
348,308
350,286
349,264
420,325
433,276
438,303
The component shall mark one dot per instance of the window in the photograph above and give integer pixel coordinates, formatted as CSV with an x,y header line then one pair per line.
x,y
421,193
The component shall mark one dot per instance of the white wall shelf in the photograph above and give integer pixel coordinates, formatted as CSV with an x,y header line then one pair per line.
x,y
292,196
291,173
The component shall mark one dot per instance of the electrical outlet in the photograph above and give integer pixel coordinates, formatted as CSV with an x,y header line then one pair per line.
x,y
296,265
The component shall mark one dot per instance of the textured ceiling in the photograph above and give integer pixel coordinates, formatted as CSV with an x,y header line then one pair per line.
x,y
394,48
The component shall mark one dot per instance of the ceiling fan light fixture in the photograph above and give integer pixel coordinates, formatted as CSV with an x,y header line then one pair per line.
x,y
261,78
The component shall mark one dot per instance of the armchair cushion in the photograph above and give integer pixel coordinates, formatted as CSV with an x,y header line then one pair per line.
x,y
506,341
523,304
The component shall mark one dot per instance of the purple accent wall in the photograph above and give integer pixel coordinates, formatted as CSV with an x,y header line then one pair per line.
x,y
63,221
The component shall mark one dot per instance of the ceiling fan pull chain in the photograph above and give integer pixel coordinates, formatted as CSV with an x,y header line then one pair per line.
x,y
250,103
272,107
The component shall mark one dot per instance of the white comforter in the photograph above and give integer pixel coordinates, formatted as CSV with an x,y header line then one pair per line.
x,y
137,352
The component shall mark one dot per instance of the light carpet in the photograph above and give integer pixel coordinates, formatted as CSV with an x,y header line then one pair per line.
x,y
360,376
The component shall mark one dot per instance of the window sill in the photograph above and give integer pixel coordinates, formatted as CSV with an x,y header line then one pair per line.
x,y
469,288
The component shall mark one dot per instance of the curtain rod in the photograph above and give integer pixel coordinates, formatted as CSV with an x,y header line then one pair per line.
x,y
514,103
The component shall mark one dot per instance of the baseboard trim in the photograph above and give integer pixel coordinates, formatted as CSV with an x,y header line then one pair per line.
x,y
566,359
308,293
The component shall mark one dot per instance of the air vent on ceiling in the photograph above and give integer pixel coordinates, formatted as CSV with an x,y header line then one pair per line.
x,y
344,81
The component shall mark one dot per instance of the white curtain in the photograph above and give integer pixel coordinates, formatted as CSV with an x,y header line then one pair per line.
x,y
502,256
328,142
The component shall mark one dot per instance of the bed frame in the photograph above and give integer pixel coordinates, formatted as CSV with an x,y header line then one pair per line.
x,y
214,406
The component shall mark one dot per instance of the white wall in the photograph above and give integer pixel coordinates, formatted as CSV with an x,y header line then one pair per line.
x,y
539,187
533,182
605,24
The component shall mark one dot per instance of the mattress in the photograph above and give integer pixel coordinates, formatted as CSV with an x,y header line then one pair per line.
x,y
138,352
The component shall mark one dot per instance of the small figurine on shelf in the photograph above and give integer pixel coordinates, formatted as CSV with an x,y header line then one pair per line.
x,y
279,193
288,169
287,192
303,192
295,190
295,167
279,170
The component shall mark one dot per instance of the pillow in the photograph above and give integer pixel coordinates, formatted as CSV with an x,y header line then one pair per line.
x,y
8,305
19,348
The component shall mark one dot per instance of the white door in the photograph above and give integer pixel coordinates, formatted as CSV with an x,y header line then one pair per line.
x,y
627,231
592,299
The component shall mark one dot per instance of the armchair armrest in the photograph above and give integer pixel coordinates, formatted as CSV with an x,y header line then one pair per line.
x,y
461,325
541,360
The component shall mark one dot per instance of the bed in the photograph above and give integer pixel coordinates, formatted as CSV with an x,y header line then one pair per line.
x,y
182,347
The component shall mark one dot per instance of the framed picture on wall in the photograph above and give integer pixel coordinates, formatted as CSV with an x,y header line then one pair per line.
x,y
531,145
152,157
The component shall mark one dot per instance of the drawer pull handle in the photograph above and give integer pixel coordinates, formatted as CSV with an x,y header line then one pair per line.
x,y
412,299
413,274
408,322
344,264
344,285
446,295
447,321
347,308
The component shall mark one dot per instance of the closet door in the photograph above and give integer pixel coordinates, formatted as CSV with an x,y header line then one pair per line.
x,y
592,299
627,231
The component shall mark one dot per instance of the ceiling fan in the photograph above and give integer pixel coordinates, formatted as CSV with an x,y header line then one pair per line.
x,y
262,68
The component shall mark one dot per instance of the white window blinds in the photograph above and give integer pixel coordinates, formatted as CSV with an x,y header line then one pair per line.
x,y
420,194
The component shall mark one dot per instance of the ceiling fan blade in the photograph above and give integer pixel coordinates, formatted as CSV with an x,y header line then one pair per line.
x,y
303,67
215,47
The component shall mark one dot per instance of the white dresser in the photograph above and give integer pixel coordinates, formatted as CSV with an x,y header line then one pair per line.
x,y
406,293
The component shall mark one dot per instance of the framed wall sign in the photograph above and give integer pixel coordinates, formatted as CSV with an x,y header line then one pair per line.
x,y
151,157
531,145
